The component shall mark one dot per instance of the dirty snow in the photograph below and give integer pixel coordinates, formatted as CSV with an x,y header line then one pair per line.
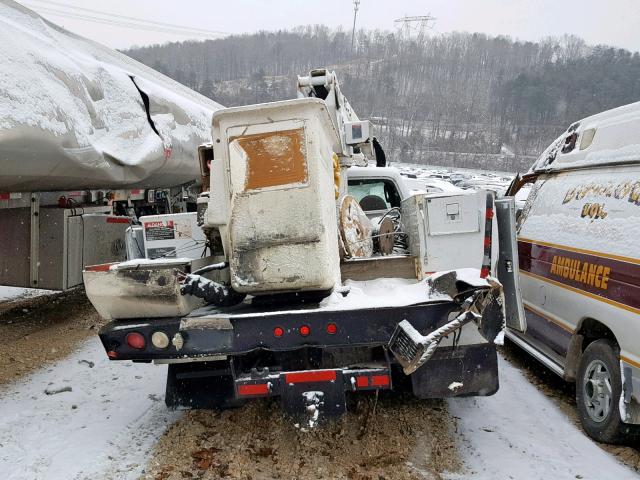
x,y
13,293
103,428
519,433
453,386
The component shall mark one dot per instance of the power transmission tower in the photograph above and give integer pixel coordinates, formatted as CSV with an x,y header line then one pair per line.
x,y
410,25
356,5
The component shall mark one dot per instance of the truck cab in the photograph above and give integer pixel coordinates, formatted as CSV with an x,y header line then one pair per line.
x,y
377,189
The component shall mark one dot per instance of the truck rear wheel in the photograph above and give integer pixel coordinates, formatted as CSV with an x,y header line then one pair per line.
x,y
598,390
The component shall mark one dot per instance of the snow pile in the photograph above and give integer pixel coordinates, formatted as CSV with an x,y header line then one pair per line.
x,y
381,292
99,420
72,113
14,293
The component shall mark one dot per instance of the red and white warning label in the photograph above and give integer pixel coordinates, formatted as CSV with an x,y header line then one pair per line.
x,y
159,230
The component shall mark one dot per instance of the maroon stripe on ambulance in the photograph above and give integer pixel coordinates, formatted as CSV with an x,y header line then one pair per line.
x,y
622,287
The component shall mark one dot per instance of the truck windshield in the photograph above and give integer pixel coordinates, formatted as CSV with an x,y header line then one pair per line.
x,y
374,194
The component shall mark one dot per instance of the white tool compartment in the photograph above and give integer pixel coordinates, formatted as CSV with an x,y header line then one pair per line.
x,y
446,231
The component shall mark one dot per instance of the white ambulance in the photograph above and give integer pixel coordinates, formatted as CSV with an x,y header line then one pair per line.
x,y
578,239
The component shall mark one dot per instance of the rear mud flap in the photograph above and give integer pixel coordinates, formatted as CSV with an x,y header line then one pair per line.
x,y
457,372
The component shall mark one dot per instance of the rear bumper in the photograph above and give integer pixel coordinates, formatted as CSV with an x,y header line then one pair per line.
x,y
463,371
466,369
220,334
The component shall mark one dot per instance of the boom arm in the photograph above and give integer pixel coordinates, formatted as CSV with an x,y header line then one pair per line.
x,y
355,134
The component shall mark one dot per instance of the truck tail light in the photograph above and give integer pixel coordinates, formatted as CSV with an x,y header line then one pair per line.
x,y
305,330
311,376
278,332
136,340
332,328
380,380
253,389
369,382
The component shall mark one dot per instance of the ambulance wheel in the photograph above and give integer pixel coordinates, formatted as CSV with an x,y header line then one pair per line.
x,y
598,390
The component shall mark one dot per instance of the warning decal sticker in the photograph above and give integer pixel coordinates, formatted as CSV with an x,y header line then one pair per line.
x,y
161,230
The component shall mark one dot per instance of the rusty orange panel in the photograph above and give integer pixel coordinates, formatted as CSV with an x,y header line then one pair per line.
x,y
274,158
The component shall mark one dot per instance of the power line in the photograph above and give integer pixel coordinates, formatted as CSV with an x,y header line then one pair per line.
x,y
115,19
124,24
126,17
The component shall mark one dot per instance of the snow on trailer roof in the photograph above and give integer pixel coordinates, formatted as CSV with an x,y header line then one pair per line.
x,y
607,138
73,114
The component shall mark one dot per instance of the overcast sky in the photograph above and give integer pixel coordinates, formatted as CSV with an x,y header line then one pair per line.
x,y
613,22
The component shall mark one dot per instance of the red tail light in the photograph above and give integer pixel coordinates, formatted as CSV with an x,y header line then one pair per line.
x,y
332,328
278,332
380,380
362,382
136,340
253,389
311,376
305,330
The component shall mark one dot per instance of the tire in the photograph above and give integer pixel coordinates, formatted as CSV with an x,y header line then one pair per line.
x,y
598,390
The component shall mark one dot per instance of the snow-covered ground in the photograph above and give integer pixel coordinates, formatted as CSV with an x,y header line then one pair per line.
x,y
10,293
103,429
519,433
119,414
